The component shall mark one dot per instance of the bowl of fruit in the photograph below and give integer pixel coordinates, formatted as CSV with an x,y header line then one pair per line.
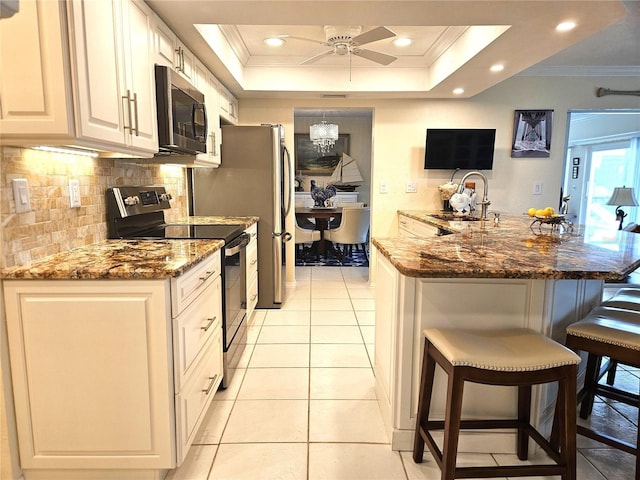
x,y
546,216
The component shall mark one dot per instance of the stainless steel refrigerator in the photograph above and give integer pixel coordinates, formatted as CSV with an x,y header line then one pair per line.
x,y
253,179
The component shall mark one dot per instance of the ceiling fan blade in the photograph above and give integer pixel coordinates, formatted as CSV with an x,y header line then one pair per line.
x,y
316,57
379,33
304,39
381,58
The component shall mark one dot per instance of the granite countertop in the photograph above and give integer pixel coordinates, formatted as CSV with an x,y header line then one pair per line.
x,y
118,260
218,220
512,249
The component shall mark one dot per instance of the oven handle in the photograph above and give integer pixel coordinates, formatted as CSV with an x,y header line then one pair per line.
x,y
236,245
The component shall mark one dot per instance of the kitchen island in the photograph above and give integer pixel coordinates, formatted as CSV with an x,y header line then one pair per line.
x,y
485,275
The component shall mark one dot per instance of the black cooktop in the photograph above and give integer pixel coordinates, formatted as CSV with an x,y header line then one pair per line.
x,y
184,231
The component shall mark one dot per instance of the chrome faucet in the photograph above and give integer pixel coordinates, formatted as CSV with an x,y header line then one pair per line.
x,y
485,200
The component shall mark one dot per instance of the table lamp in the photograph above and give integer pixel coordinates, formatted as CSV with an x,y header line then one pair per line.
x,y
622,197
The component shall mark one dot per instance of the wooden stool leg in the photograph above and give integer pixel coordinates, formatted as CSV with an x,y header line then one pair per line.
x,y
452,420
611,372
524,418
424,402
590,382
567,392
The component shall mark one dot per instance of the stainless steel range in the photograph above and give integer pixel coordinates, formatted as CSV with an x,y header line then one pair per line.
x,y
137,212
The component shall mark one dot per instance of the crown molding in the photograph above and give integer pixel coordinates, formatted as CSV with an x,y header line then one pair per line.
x,y
581,71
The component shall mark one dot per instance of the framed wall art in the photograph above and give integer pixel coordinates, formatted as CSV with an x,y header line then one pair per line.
x,y
532,133
310,162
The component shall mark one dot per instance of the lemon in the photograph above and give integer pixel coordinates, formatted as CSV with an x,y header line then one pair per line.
x,y
531,212
549,211
541,213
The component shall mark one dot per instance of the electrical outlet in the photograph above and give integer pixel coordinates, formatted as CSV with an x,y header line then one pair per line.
x,y
74,193
412,187
537,188
21,194
384,188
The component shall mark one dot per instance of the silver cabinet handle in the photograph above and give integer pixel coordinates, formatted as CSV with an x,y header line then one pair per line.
x,y
208,326
180,66
135,116
211,384
206,276
127,98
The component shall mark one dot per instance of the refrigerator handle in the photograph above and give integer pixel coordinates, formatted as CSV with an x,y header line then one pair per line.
x,y
286,158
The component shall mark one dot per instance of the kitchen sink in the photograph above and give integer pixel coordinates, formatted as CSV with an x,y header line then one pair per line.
x,y
451,217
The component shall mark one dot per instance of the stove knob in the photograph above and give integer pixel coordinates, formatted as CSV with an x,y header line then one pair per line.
x,y
129,201
165,197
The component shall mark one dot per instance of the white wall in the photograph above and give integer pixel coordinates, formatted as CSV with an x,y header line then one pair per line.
x,y
399,128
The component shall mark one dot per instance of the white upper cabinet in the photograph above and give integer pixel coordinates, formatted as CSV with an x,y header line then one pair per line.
x,y
79,77
140,79
116,87
204,81
228,105
171,52
35,87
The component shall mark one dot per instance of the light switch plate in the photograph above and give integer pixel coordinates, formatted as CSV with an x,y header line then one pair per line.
x,y
384,188
412,187
74,193
21,194
537,188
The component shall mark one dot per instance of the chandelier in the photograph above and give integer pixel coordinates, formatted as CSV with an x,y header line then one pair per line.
x,y
324,136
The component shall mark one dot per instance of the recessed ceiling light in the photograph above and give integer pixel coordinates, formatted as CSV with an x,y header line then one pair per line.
x,y
566,26
458,91
274,41
498,67
402,42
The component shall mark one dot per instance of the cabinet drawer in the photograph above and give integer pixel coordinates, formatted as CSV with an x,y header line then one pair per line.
x,y
186,288
193,328
252,295
194,399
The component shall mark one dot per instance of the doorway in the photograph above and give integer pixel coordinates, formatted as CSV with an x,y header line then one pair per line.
x,y
355,129
603,152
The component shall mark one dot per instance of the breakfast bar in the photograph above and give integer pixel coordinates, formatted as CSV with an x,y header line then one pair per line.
x,y
481,274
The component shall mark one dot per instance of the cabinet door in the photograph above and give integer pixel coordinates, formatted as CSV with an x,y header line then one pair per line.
x,y
166,43
140,80
35,96
206,83
92,373
98,71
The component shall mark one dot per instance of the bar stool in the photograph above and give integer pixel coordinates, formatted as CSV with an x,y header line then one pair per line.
x,y
513,357
613,333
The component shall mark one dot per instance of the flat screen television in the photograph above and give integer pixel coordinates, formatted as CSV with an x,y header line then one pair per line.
x,y
463,148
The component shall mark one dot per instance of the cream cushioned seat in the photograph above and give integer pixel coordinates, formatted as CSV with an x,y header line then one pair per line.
x,y
614,326
509,349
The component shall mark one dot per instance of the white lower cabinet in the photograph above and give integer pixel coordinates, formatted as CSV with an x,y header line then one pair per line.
x,y
252,270
414,228
106,378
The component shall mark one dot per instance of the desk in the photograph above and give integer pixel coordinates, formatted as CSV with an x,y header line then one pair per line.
x,y
322,216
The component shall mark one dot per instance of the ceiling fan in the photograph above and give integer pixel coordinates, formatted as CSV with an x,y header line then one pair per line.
x,y
348,42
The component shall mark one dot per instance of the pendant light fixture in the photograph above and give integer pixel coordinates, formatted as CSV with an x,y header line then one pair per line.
x,y
323,135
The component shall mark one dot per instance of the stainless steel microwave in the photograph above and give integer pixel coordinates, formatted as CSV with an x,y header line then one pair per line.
x,y
182,116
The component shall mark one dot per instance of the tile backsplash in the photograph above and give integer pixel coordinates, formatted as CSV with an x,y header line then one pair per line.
x,y
51,225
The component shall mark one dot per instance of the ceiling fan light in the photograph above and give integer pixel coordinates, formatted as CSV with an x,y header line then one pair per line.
x,y
402,42
274,41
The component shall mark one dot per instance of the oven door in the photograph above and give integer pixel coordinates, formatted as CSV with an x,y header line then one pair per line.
x,y
235,292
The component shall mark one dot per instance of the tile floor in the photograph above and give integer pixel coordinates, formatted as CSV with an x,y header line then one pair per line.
x,y
302,406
